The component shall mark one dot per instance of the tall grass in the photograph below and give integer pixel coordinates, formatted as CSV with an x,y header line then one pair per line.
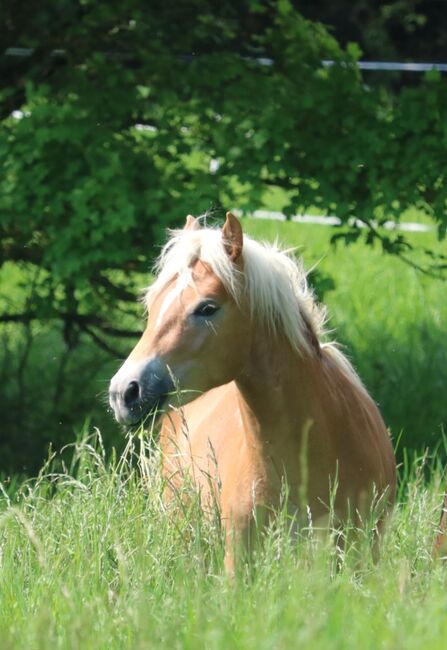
x,y
91,557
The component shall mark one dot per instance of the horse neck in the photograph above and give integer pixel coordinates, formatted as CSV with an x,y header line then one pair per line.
x,y
279,387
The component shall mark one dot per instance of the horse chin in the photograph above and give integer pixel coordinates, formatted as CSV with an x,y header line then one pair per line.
x,y
149,417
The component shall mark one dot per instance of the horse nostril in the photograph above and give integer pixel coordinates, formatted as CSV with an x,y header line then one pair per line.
x,y
132,393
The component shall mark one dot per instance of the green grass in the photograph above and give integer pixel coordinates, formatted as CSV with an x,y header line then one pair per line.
x,y
91,559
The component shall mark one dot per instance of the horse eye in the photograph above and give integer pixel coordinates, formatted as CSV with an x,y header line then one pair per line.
x,y
206,309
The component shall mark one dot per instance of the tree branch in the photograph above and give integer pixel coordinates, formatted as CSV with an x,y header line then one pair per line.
x,y
78,319
119,292
99,342
406,260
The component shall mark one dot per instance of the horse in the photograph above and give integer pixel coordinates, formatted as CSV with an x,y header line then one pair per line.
x,y
235,333
439,549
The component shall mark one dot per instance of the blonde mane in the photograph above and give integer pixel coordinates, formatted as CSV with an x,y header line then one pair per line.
x,y
273,282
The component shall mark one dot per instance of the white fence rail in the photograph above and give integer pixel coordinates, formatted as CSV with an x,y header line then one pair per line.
x,y
332,220
395,66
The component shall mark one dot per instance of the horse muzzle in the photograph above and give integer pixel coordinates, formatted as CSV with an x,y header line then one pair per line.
x,y
139,390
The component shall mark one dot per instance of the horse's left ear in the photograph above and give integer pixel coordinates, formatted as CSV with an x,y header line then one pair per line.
x,y
191,223
232,237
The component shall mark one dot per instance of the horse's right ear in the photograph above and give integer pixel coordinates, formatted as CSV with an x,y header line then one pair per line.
x,y
191,223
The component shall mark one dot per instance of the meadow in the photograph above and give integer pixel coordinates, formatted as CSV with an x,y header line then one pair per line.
x,y
91,558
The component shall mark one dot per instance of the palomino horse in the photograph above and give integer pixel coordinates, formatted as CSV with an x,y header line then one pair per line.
x,y
440,543
235,326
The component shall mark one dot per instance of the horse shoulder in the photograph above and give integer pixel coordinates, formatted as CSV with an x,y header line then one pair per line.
x,y
208,440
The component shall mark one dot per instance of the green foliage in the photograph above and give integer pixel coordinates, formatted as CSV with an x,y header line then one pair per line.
x,y
109,128
396,30
117,131
49,391
92,559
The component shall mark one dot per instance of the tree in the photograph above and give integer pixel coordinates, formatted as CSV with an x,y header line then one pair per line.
x,y
114,113
122,107
386,30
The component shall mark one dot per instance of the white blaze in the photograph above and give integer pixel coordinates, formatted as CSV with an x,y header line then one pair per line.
x,y
182,282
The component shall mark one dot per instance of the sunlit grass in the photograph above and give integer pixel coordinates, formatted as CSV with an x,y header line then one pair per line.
x,y
91,557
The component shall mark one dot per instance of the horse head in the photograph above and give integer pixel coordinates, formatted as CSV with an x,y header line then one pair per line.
x,y
196,337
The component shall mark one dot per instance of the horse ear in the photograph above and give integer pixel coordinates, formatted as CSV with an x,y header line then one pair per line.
x,y
191,223
232,237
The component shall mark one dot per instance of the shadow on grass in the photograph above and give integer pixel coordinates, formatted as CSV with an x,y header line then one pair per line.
x,y
49,392
407,377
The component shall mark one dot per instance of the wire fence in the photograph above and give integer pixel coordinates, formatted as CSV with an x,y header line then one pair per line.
x,y
387,66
